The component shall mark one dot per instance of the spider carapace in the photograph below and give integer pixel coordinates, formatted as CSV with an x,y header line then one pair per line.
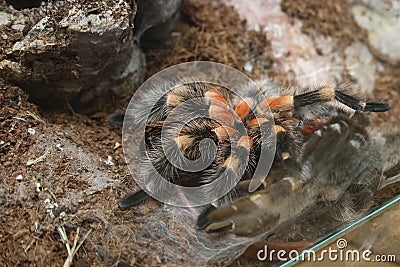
x,y
322,151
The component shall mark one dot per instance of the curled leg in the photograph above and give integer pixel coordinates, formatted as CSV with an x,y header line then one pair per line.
x,y
337,161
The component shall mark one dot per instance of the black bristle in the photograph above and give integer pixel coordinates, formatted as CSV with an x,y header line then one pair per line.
x,y
349,101
377,107
307,99
358,105
202,220
133,199
116,118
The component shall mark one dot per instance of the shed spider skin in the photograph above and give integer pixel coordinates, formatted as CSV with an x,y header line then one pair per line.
x,y
324,155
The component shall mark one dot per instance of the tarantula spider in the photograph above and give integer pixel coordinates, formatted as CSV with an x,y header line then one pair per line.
x,y
323,153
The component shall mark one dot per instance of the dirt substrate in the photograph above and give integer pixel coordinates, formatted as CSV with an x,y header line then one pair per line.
x,y
63,187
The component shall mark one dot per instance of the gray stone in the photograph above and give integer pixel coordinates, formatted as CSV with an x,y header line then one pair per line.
x,y
85,57
155,13
5,18
361,65
383,25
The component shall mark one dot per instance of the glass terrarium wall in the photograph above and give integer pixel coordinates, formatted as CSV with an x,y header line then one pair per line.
x,y
375,239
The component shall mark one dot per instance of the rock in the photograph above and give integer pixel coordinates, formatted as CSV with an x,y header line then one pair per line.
x,y
383,25
5,18
154,21
308,60
84,55
361,65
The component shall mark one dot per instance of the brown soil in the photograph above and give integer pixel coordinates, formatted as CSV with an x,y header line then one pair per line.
x,y
221,38
331,18
28,235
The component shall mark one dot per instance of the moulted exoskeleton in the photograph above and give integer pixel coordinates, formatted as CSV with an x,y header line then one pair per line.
x,y
323,154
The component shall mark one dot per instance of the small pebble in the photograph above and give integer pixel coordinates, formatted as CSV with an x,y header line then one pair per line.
x,y
18,27
19,178
31,131
248,67
117,145
59,147
109,161
38,187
